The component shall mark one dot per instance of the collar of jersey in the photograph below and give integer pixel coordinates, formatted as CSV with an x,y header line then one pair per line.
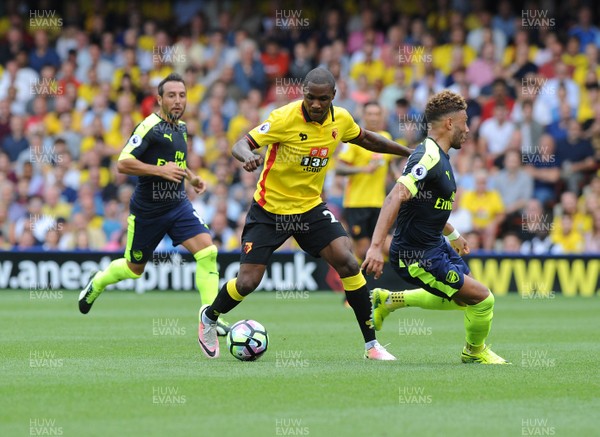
x,y
307,118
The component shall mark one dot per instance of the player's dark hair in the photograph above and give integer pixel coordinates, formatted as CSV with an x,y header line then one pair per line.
x,y
442,104
319,76
173,77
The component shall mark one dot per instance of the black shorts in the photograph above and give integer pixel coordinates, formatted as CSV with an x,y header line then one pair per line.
x,y
361,221
264,232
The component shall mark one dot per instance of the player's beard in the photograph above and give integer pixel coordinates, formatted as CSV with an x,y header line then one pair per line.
x,y
456,142
173,118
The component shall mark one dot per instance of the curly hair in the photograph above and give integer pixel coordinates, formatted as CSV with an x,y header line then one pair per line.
x,y
443,103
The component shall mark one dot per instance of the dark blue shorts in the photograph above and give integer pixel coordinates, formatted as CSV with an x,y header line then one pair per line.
x,y
439,270
143,234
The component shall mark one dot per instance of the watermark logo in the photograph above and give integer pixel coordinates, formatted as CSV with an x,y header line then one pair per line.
x,y
45,86
413,326
291,19
168,258
43,426
166,326
536,86
536,19
413,395
537,290
290,293
413,122
290,359
289,86
167,191
538,155
168,395
536,223
41,19
290,223
536,426
47,221
410,257
291,426
44,359
168,55
536,358
413,55
44,292
44,154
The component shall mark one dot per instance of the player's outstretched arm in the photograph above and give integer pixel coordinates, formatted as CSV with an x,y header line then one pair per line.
x,y
243,153
377,143
133,167
373,263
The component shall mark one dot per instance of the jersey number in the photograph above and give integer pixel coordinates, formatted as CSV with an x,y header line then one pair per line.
x,y
314,161
331,216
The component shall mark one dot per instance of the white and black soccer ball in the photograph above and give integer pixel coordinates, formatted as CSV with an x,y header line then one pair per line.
x,y
247,340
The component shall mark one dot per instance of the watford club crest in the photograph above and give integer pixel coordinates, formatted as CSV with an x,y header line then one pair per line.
x,y
334,133
247,247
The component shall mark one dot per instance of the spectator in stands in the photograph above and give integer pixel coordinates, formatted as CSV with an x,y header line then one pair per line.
x,y
576,157
248,71
511,243
581,221
544,168
549,94
42,53
487,209
515,186
535,230
584,30
495,134
15,142
531,131
481,71
592,238
566,237
13,44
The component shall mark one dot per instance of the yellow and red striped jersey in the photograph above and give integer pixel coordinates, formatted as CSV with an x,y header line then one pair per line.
x,y
298,154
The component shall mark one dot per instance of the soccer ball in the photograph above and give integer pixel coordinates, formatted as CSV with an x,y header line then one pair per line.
x,y
247,340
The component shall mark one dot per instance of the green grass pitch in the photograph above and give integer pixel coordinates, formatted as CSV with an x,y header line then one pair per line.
x,y
133,367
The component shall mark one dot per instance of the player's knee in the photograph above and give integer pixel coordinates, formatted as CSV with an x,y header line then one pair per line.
x,y
346,265
138,269
246,284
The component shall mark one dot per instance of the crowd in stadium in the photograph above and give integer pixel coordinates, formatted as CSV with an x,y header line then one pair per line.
x,y
73,87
